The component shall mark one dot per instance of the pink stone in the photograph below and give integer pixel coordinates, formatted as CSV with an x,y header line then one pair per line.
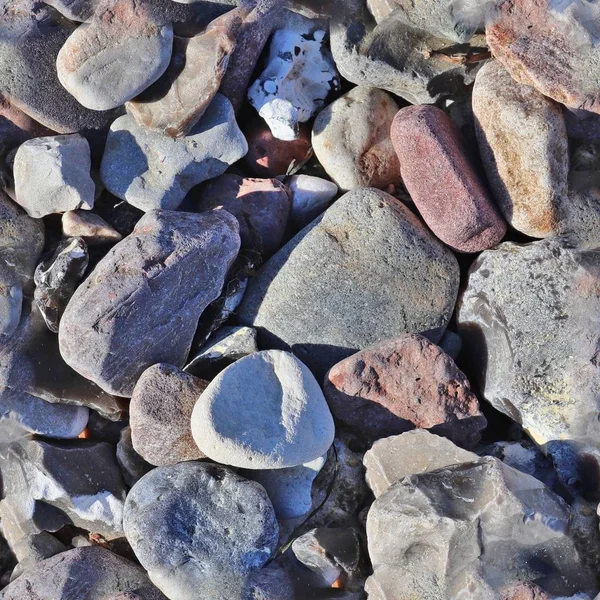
x,y
441,181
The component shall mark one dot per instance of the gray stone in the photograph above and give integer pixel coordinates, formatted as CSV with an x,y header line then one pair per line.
x,y
151,170
75,10
133,466
94,230
159,414
470,530
270,583
451,344
310,197
11,300
265,411
90,573
118,54
52,175
141,304
393,458
199,530
34,548
349,289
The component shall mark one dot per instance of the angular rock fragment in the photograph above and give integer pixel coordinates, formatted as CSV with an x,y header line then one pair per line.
x,y
92,228
349,289
310,197
351,139
141,303
133,466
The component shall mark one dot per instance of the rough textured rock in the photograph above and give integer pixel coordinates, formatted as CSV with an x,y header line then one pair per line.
x,y
92,228
141,303
124,49
133,466
351,139
270,583
527,36
310,197
261,206
526,591
439,535
278,395
393,458
160,411
92,573
431,150
52,175
380,9
151,170
350,290
524,149
403,383
199,529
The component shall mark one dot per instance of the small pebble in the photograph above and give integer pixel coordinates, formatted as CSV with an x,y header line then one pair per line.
x,y
92,228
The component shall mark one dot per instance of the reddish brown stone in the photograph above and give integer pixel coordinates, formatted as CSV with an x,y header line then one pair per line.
x,y
404,383
442,182
16,127
525,591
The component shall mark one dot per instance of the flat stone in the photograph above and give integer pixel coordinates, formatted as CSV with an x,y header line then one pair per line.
x,y
141,304
524,149
393,458
261,206
133,466
151,170
351,139
52,175
117,55
431,150
92,228
310,197
349,289
159,413
199,529
16,127
292,424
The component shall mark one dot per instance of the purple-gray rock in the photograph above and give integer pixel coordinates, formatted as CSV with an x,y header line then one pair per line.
x,y
141,304
133,466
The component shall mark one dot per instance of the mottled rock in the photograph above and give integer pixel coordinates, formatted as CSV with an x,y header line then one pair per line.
x,y
261,206
151,170
52,175
350,290
393,458
92,228
431,150
524,149
310,197
118,54
351,139
199,529
525,591
141,303
160,411
278,395
16,127
485,545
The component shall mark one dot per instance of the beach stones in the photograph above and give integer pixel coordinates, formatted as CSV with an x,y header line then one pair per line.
x,y
199,529
141,304
276,393
335,288
90,227
351,139
430,150
310,197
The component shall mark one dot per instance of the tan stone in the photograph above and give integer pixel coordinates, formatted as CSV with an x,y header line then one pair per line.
x,y
89,226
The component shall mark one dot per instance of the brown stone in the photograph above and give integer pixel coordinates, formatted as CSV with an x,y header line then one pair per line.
x,y
525,591
16,127
442,182
89,226
403,383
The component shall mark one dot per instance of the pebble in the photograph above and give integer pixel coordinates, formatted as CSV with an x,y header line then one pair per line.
x,y
351,139
117,55
92,228
141,303
151,170
335,288
261,206
270,583
132,465
310,197
16,127
199,530
393,458
524,149
431,150
52,175
278,395
159,413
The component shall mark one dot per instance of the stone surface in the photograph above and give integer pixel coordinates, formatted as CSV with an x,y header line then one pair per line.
x,y
393,458
524,149
350,290
430,150
527,37
16,127
199,529
270,583
118,54
525,591
278,395
92,573
310,197
380,9
141,303
402,383
92,228
471,530
133,466
52,175
151,170
261,206
351,139
159,413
